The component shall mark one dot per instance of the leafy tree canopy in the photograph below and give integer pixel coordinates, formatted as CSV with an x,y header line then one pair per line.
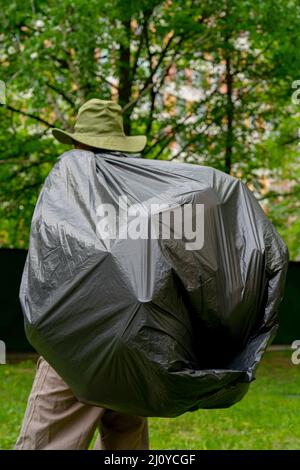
x,y
208,82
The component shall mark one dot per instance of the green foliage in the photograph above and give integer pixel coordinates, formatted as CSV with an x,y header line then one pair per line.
x,y
209,83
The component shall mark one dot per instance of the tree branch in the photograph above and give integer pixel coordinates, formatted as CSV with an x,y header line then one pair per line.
x,y
29,115
100,75
61,93
148,84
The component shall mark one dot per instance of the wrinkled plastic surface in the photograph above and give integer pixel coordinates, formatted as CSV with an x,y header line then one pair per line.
x,y
143,326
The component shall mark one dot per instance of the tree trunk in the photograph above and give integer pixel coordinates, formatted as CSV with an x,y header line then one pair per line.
x,y
229,116
229,100
125,80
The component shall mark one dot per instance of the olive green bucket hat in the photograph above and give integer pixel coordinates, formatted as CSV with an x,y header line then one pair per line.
x,y
99,124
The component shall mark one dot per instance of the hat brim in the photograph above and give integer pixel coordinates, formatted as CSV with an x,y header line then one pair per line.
x,y
133,143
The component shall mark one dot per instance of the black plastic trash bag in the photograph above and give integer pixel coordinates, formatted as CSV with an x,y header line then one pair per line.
x,y
144,325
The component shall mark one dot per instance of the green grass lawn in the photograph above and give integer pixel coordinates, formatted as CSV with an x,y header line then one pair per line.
x,y
267,418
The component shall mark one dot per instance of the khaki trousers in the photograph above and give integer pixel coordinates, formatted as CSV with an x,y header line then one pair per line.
x,y
55,419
